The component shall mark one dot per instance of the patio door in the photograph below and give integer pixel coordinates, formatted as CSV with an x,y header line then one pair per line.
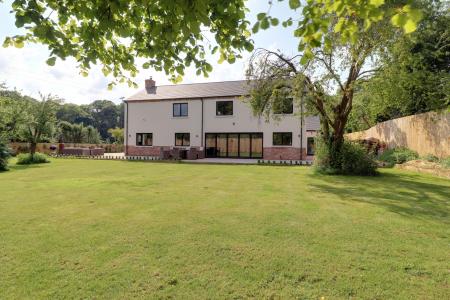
x,y
234,145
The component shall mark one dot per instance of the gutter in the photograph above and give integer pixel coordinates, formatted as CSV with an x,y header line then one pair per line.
x,y
126,126
201,141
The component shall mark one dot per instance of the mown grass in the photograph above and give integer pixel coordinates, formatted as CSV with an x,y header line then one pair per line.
x,y
115,229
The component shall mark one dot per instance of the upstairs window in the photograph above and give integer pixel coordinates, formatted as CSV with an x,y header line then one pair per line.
x,y
282,138
144,139
182,139
284,107
224,108
180,109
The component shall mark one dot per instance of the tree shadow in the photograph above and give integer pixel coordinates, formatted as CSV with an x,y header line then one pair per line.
x,y
403,194
15,167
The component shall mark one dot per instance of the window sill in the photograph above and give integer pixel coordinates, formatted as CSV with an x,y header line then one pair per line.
x,y
284,146
224,116
144,146
182,117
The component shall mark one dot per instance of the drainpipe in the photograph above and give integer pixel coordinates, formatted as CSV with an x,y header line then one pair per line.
x,y
201,143
126,126
301,128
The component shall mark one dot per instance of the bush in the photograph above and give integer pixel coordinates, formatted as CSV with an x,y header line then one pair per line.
x,y
27,159
431,158
398,156
352,159
445,162
5,154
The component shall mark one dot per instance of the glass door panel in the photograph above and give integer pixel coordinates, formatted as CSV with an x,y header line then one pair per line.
x,y
210,145
257,145
233,145
221,145
244,145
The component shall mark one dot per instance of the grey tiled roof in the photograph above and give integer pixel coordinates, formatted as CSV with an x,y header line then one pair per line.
x,y
194,90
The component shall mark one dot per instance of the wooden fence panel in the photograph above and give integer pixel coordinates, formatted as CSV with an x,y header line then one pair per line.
x,y
427,133
45,147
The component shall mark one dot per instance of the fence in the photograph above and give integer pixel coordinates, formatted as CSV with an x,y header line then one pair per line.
x,y
427,133
45,147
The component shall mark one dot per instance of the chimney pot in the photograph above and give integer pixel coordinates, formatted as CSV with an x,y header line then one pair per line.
x,y
149,83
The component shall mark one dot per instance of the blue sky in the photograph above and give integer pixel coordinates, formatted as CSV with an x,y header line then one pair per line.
x,y
26,69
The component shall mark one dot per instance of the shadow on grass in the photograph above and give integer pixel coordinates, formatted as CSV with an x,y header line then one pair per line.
x,y
16,167
403,194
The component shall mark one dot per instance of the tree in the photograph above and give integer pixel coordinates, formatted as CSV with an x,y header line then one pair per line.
x,y
333,60
170,35
414,73
117,134
5,154
105,115
12,105
92,136
40,121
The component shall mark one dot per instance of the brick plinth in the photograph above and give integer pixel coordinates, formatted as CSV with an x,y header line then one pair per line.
x,y
143,151
283,153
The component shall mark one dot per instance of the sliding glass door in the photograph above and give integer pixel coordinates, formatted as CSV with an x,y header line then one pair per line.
x,y
234,145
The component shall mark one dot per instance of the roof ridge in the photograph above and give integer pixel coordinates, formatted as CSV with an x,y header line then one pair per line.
x,y
208,82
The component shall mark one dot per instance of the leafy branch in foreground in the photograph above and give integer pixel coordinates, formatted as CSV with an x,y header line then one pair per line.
x,y
169,35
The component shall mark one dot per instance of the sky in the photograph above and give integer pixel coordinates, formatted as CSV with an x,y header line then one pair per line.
x,y
26,68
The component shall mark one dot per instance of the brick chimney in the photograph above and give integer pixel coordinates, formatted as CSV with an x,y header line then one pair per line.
x,y
149,83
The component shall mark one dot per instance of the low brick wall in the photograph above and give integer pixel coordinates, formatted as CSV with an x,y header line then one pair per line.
x,y
144,150
283,153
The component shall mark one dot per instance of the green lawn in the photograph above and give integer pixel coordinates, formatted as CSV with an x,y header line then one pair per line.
x,y
114,229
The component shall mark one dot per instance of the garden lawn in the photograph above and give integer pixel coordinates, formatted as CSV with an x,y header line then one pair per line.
x,y
116,229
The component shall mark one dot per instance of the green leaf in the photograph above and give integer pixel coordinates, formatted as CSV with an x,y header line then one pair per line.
x,y
274,21
410,26
18,43
260,16
265,24
294,4
377,3
51,61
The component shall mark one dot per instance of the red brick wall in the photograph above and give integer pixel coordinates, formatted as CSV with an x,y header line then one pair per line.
x,y
283,153
143,151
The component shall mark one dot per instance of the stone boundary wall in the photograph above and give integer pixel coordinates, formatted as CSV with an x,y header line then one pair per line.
x,y
427,133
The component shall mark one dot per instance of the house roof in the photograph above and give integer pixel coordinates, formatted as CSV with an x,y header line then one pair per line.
x,y
193,90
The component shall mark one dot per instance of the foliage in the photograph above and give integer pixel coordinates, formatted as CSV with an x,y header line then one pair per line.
x,y
414,73
445,162
352,159
326,74
12,106
40,121
349,19
431,158
169,35
117,134
397,156
77,133
28,158
5,154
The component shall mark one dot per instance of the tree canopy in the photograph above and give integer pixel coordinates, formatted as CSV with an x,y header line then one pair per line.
x,y
169,35
173,35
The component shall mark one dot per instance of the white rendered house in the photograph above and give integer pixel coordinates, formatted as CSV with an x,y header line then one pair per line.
x,y
214,119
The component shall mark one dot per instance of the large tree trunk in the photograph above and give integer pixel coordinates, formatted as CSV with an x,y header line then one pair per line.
x,y
33,146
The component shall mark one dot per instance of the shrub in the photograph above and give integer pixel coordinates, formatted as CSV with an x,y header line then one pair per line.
x,y
27,159
5,154
398,156
445,162
431,158
352,159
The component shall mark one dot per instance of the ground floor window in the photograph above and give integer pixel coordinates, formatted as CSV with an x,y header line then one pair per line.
x,y
310,147
144,139
282,138
182,139
239,145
